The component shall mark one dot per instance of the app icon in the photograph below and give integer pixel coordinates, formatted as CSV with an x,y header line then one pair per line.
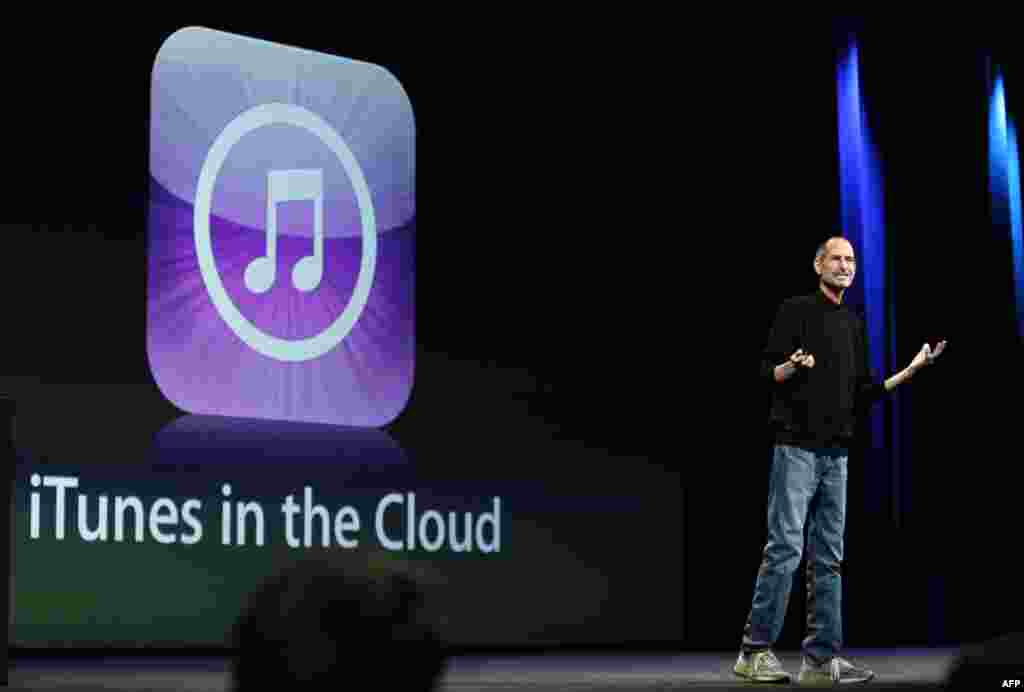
x,y
281,232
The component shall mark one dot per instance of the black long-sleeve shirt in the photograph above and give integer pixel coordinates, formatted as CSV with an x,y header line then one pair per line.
x,y
819,406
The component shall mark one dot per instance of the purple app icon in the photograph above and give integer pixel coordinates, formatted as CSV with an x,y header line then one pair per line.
x,y
282,219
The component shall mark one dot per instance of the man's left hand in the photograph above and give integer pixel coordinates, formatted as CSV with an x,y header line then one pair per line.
x,y
926,356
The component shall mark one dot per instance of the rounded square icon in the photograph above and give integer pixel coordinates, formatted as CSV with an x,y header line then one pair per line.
x,y
282,219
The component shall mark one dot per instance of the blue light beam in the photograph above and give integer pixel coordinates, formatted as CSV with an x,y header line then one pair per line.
x,y
1004,184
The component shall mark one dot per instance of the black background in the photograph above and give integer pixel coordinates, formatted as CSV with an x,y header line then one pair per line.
x,y
610,209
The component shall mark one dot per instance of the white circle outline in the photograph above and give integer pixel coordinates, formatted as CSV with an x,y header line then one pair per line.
x,y
271,346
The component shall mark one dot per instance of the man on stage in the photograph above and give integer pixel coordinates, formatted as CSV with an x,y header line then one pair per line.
x,y
818,365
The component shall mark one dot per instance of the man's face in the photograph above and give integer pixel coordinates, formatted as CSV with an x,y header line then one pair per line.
x,y
838,266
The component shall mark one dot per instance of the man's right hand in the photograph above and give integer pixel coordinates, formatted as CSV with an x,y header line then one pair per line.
x,y
798,360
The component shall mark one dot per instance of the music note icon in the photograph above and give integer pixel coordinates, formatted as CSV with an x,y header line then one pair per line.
x,y
291,186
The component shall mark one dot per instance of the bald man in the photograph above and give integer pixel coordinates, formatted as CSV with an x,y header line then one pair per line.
x,y
816,362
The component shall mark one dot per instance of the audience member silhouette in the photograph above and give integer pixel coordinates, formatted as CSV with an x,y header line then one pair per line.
x,y
328,623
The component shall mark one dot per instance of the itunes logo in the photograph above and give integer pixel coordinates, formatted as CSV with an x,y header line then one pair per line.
x,y
268,161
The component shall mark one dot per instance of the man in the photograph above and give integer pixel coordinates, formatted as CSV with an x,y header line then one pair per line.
x,y
329,622
816,361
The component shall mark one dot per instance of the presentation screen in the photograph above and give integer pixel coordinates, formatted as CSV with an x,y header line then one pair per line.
x,y
117,543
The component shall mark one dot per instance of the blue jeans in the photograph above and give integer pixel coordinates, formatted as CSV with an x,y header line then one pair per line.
x,y
802,480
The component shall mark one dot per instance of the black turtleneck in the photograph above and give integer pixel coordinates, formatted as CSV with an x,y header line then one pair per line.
x,y
819,406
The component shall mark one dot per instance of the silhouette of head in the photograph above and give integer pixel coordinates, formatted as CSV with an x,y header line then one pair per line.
x,y
325,623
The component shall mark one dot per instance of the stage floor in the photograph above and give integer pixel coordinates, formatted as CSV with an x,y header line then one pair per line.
x,y
897,668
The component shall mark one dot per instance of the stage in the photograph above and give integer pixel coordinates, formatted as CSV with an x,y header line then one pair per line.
x,y
894,668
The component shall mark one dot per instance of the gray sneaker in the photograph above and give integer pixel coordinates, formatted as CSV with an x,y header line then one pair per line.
x,y
760,666
837,671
